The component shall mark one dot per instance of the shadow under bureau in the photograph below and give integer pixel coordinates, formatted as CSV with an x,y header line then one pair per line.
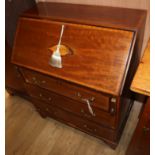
x,y
90,92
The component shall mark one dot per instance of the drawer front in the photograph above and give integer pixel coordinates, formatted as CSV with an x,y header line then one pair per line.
x,y
98,57
75,121
67,89
78,108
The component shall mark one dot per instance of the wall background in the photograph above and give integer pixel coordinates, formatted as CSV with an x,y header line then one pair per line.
x,y
137,4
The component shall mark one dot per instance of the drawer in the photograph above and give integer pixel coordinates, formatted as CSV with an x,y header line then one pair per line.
x,y
75,121
73,91
79,108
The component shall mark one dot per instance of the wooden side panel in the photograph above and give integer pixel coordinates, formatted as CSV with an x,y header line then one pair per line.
x,y
13,78
13,9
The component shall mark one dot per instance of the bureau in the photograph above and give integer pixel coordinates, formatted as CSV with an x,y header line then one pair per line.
x,y
99,53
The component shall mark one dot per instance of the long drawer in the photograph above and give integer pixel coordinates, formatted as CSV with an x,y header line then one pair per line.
x,y
79,108
70,90
75,121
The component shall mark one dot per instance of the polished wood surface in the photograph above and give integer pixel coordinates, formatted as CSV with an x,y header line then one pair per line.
x,y
66,89
141,81
111,17
133,4
97,52
27,133
65,96
104,53
106,134
104,118
111,123
114,17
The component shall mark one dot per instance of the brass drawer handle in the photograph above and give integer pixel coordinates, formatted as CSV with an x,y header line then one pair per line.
x,y
85,115
37,82
45,98
85,126
91,99
113,102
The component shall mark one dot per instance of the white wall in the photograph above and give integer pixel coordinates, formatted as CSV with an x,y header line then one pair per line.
x,y
138,4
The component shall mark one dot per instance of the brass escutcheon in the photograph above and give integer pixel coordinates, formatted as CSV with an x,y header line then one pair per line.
x,y
64,50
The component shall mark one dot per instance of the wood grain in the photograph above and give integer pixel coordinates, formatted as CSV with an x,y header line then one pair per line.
x,y
97,52
36,30
66,89
114,17
141,81
133,4
102,117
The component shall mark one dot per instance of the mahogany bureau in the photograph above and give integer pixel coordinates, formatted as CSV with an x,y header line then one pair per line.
x,y
100,50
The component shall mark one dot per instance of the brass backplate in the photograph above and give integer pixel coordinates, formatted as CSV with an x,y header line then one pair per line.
x,y
64,50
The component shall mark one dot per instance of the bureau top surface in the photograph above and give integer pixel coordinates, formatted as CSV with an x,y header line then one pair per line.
x,y
124,18
100,58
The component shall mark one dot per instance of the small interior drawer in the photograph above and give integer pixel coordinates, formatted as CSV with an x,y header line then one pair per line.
x,y
68,89
79,108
